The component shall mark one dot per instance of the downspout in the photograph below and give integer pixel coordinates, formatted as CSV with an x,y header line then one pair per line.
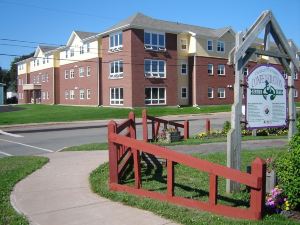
x,y
53,85
194,82
98,80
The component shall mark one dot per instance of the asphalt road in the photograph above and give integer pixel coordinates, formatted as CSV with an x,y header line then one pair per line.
x,y
34,140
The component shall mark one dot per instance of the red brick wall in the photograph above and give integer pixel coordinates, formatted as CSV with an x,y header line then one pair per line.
x,y
134,81
77,83
203,81
20,88
46,86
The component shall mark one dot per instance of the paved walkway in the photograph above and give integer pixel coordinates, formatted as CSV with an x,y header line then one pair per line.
x,y
59,194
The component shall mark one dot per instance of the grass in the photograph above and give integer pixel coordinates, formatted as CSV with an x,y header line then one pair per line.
x,y
57,113
191,141
87,147
188,183
12,170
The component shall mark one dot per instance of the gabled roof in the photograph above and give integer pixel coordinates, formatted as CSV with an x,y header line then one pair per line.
x,y
140,20
44,49
83,35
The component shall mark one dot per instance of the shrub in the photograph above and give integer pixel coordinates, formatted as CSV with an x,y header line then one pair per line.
x,y
288,171
226,127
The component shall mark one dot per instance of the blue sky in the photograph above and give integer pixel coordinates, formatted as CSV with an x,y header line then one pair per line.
x,y
52,21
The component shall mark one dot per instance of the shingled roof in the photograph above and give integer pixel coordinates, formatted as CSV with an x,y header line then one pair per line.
x,y
83,35
46,48
146,22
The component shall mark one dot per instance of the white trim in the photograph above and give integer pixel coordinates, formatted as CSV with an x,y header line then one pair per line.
x,y
219,93
158,99
186,69
212,92
212,69
212,45
186,93
157,74
224,72
119,100
221,42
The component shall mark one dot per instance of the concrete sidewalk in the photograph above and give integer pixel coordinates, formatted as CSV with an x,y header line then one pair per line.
x,y
59,194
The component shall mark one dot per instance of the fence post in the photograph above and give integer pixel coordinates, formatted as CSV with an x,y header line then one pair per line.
x,y
257,198
170,178
186,129
113,156
145,125
207,126
213,189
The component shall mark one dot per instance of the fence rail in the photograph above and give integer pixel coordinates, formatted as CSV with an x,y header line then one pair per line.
x,y
255,181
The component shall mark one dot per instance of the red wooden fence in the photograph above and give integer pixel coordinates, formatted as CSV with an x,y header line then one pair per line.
x,y
121,145
155,124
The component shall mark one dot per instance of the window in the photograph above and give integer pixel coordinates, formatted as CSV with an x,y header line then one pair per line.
x,y
245,71
34,63
71,73
184,93
88,71
116,69
285,75
155,96
71,52
115,41
210,69
44,60
221,92
221,46
81,50
20,81
81,93
184,69
46,77
88,93
47,59
209,45
154,68
67,72
210,92
37,62
43,77
154,41
33,80
183,44
81,71
295,93
72,94
295,76
116,96
47,95
221,70
87,47
66,94
67,54
38,79
43,95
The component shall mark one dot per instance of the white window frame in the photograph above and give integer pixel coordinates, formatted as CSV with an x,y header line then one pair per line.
x,y
116,73
221,46
245,71
116,100
154,74
43,78
295,93
182,40
72,52
43,95
186,93
66,53
285,75
221,70
208,45
47,94
88,71
186,68
221,94
212,69
88,47
81,94
81,71
81,49
72,94
210,90
295,77
88,93
72,73
151,99
112,38
47,77
66,94
152,46
38,79
67,74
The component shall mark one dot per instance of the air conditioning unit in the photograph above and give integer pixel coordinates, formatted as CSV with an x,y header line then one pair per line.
x,y
148,47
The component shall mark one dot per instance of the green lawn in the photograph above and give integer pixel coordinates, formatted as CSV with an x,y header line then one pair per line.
x,y
191,141
188,183
12,170
57,113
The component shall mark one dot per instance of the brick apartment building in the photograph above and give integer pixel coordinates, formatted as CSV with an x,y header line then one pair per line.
x,y
140,61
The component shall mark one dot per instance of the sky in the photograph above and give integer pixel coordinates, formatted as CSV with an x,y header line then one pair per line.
x,y
52,21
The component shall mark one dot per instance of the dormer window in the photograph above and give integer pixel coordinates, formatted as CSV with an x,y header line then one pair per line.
x,y
183,44
71,52
221,46
87,47
67,54
37,62
154,41
116,42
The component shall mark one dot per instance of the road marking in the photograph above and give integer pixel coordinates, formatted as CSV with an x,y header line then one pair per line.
x,y
4,153
9,134
43,149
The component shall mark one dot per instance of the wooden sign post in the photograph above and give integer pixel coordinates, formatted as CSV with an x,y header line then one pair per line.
x,y
240,56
